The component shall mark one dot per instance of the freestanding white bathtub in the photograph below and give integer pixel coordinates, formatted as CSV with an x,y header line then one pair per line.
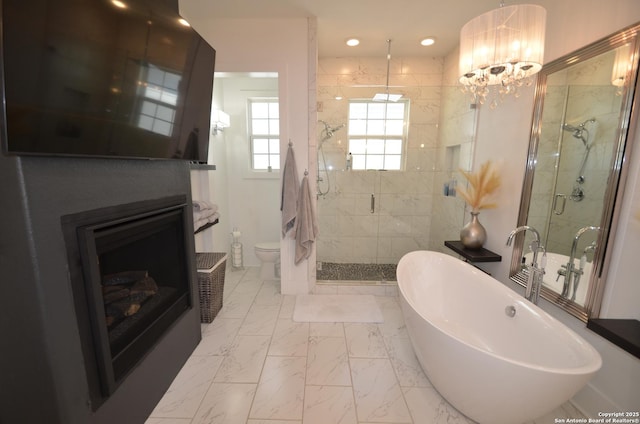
x,y
494,368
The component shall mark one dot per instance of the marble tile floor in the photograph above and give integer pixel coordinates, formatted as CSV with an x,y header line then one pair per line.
x,y
255,365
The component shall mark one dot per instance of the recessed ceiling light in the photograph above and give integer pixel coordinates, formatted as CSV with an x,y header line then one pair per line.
x,y
352,42
428,41
184,22
118,3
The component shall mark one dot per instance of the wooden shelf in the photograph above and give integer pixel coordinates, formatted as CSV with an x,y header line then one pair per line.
x,y
479,255
624,333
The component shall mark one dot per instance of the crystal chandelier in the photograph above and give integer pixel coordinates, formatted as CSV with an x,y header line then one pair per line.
x,y
500,50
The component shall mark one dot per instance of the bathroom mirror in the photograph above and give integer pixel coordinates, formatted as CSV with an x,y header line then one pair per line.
x,y
575,167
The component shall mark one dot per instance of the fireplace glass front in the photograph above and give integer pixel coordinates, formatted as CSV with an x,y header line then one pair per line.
x,y
132,284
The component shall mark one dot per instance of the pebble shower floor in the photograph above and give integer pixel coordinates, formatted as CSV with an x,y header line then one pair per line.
x,y
330,271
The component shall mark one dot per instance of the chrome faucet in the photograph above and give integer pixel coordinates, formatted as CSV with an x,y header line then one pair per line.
x,y
569,270
534,279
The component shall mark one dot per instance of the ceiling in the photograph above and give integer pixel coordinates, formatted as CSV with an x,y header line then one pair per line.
x,y
405,22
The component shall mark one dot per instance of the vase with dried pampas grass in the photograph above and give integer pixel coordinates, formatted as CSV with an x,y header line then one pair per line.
x,y
479,195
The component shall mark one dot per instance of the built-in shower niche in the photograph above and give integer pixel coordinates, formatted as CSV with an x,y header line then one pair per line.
x,y
130,280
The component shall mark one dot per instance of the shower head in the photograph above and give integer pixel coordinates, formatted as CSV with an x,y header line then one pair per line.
x,y
579,131
329,131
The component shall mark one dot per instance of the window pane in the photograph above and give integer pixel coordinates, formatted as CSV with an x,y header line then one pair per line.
x,y
395,111
274,127
170,97
375,127
375,161
259,110
171,81
274,161
395,127
145,122
260,145
148,108
392,162
274,146
161,127
260,161
357,127
357,146
375,146
358,161
393,146
155,76
274,111
153,92
165,113
377,110
260,126
358,110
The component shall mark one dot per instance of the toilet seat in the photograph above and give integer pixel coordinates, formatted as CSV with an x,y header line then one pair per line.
x,y
268,246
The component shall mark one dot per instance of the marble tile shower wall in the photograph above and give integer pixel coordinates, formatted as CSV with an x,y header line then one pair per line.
x,y
588,94
455,151
404,200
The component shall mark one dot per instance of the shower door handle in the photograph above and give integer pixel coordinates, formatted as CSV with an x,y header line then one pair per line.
x,y
555,203
373,203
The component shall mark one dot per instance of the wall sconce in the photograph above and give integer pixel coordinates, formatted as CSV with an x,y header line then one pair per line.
x,y
621,67
220,121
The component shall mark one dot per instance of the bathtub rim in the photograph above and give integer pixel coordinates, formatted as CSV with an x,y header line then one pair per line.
x,y
591,367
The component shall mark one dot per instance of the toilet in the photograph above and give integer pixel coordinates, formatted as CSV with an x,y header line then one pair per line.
x,y
269,255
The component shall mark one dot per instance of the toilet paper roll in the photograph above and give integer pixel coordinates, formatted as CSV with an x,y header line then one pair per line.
x,y
236,234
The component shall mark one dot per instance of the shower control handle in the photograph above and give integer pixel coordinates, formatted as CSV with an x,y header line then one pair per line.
x,y
555,203
373,203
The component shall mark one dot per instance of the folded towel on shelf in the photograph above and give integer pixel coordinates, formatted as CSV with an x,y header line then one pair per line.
x,y
203,214
306,227
204,221
200,205
288,204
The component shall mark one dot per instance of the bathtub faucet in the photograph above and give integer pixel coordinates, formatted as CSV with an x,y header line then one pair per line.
x,y
536,272
570,268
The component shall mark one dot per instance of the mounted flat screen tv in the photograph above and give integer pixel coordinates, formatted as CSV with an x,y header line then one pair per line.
x,y
92,78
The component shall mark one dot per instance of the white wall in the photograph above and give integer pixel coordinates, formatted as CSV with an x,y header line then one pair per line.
x,y
212,186
254,197
284,46
503,135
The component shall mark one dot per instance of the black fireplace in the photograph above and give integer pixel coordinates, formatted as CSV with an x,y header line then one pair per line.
x,y
129,271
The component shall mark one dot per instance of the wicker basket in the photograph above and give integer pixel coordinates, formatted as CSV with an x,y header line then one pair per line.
x,y
211,269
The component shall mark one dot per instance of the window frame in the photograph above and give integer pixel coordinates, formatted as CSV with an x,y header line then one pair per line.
x,y
143,97
403,137
272,158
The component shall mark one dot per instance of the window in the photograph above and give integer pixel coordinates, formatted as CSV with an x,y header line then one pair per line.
x,y
264,133
159,92
376,134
